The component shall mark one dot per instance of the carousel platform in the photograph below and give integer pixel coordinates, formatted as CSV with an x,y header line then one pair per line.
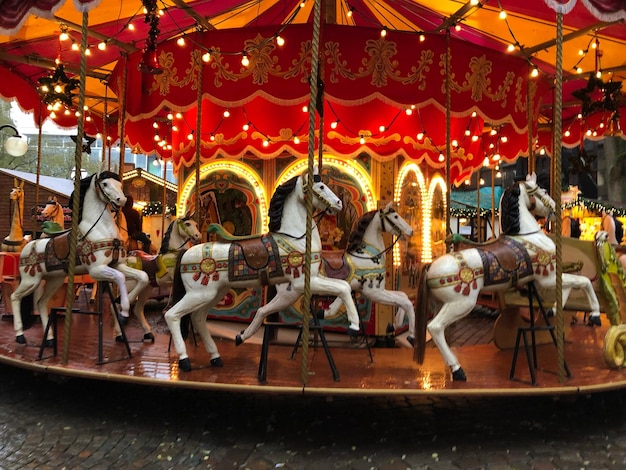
x,y
360,370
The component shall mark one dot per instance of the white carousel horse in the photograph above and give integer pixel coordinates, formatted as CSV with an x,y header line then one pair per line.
x,y
362,265
99,251
179,235
206,272
15,241
522,254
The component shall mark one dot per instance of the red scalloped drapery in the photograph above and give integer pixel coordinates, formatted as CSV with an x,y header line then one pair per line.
x,y
605,10
13,13
369,82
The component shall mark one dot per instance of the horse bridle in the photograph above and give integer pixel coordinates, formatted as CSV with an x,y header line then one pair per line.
x,y
57,207
317,195
533,193
109,202
395,231
180,223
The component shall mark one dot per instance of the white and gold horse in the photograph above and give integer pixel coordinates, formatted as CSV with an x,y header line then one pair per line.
x,y
206,272
180,234
100,252
362,265
522,254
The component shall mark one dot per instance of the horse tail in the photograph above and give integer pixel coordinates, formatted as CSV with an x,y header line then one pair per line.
x,y
421,315
178,287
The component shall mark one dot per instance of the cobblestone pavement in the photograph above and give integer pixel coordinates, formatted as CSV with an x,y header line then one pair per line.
x,y
55,423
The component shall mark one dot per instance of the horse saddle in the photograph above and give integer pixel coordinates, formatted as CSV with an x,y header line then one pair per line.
x,y
253,257
60,245
147,263
225,236
499,248
334,264
53,229
254,252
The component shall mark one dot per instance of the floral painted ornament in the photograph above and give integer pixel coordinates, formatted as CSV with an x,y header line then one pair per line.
x,y
465,276
295,261
32,263
544,259
208,270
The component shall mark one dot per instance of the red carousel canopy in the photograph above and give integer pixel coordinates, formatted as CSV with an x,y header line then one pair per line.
x,y
369,82
379,95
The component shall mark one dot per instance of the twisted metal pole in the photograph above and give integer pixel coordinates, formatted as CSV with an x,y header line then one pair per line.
x,y
198,63
75,199
558,107
306,312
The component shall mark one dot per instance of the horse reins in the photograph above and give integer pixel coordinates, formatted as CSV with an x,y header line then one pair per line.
x,y
181,224
383,218
98,187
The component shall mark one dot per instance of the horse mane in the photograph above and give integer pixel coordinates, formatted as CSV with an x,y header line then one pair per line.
x,y
509,210
356,237
165,245
277,203
84,186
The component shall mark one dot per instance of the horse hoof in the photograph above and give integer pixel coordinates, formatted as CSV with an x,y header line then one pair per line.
x,y
119,339
459,376
123,320
49,343
390,329
184,364
594,321
148,337
411,340
20,339
352,333
238,340
320,314
217,362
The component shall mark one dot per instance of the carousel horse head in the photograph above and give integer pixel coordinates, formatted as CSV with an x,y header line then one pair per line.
x,y
108,190
392,222
323,198
17,192
299,187
180,232
52,210
521,200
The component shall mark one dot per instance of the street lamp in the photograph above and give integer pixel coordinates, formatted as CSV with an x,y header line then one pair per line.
x,y
14,145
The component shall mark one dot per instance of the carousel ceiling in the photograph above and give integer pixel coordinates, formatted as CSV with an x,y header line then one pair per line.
x,y
382,71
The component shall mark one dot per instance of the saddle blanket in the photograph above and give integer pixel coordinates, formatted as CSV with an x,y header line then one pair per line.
x,y
493,271
240,268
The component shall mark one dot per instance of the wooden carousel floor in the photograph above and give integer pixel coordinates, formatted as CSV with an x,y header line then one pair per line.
x,y
391,370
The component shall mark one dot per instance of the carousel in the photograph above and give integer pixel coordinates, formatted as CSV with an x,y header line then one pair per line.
x,y
320,148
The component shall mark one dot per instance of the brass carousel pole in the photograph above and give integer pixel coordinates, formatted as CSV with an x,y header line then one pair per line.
x,y
123,118
556,190
306,314
529,121
198,64
448,134
39,138
75,200
105,122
